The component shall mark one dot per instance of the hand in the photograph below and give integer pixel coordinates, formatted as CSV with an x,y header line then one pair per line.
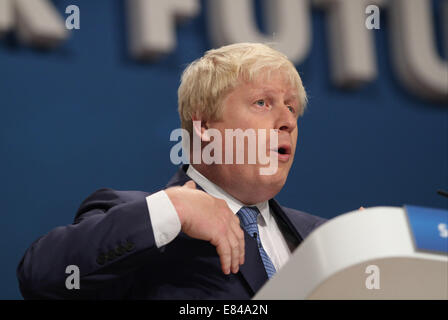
x,y
205,217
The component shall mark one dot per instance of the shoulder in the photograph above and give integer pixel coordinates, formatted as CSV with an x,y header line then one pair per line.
x,y
304,222
305,216
106,198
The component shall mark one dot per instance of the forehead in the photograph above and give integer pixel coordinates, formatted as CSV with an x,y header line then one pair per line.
x,y
274,81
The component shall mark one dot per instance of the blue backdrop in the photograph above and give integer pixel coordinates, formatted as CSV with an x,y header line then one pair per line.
x,y
86,116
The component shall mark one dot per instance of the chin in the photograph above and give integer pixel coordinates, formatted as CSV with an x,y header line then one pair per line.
x,y
268,186
254,187
275,181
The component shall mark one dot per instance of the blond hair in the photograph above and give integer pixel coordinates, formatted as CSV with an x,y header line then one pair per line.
x,y
207,80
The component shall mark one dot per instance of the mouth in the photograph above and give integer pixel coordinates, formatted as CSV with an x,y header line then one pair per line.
x,y
284,152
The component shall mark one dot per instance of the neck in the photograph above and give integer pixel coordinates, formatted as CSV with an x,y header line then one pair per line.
x,y
208,172
226,183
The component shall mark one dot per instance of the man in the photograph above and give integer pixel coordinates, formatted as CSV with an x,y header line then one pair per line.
x,y
215,232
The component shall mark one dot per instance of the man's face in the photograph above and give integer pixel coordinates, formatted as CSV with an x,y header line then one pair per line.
x,y
265,103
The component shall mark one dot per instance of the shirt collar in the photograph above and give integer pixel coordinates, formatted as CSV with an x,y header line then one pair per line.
x,y
234,204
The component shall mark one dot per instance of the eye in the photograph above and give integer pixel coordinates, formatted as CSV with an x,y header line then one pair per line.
x,y
291,109
260,103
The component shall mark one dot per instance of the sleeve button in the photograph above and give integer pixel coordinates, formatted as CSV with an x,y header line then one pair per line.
x,y
101,259
119,250
130,246
111,255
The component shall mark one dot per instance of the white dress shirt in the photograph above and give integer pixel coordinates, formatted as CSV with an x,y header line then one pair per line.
x,y
166,224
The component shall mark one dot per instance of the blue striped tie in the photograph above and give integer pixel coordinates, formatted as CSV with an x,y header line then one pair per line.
x,y
248,218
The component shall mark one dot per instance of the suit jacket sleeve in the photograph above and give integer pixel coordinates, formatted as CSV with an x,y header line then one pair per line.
x,y
111,236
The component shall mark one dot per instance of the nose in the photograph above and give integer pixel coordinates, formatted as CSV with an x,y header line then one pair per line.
x,y
286,120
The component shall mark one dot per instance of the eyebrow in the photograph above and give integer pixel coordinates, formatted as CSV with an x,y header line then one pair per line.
x,y
289,97
293,98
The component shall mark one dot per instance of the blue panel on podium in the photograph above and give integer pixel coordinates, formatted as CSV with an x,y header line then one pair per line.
x,y
429,227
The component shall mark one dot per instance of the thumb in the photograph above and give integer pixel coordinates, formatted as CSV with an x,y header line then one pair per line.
x,y
190,184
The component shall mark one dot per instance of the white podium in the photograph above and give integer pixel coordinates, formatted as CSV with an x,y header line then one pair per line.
x,y
368,254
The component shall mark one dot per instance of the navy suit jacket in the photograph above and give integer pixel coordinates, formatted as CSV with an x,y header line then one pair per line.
x,y
112,243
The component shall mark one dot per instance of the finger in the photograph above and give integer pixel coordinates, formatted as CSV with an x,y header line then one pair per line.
x,y
239,233
223,249
361,208
235,253
190,184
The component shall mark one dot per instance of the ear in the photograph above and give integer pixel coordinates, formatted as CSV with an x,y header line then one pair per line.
x,y
200,128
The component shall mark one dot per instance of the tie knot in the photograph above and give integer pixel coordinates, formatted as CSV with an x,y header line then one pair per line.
x,y
248,215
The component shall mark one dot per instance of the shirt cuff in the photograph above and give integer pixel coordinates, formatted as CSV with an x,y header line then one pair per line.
x,y
164,219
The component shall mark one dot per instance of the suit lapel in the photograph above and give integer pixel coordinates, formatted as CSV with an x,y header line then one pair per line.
x,y
253,270
179,178
286,223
